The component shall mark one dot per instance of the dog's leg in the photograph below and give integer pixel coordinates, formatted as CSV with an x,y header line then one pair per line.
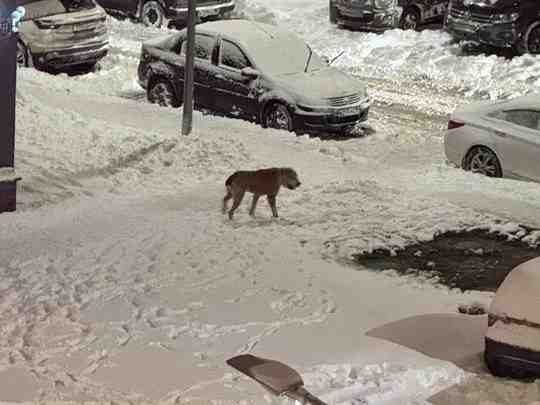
x,y
254,204
272,203
226,199
237,200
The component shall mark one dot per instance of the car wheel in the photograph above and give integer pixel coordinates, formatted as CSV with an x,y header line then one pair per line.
x,y
152,14
531,40
484,161
278,117
410,19
333,12
23,55
161,92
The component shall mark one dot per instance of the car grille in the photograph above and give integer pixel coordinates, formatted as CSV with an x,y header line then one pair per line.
x,y
480,18
344,100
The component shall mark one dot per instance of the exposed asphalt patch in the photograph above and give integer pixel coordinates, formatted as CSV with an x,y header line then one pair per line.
x,y
469,260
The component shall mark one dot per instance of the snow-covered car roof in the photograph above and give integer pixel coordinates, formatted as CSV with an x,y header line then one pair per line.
x,y
480,108
519,295
246,31
530,102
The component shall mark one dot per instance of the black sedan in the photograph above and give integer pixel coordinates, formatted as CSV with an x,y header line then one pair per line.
x,y
256,72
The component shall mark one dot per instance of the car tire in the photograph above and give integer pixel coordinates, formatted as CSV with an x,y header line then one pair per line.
x,y
153,15
161,91
277,116
333,12
410,19
23,55
483,160
530,43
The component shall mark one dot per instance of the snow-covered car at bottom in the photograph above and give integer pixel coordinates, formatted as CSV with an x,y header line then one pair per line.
x,y
497,138
256,72
513,335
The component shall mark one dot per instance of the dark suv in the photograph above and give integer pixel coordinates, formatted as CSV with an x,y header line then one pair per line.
x,y
157,13
380,15
503,23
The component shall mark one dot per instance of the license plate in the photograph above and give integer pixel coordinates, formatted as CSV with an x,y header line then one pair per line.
x,y
84,27
465,26
348,111
207,13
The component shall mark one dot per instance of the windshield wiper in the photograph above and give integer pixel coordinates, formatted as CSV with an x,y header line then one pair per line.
x,y
308,59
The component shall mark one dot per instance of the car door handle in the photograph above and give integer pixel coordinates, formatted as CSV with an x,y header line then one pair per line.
x,y
220,77
501,134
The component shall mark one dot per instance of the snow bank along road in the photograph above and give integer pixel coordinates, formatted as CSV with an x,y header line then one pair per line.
x,y
121,280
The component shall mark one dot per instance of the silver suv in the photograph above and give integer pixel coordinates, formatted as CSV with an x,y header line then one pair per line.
x,y
60,33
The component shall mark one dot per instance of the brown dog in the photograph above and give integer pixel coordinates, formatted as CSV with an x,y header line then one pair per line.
x,y
259,182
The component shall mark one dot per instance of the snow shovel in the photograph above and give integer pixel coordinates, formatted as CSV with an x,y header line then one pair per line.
x,y
276,377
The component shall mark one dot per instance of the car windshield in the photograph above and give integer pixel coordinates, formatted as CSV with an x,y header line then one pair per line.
x,y
277,57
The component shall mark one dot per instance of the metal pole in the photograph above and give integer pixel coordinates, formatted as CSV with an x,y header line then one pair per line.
x,y
8,77
187,114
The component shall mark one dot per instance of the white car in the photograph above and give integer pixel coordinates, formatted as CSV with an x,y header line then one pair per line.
x,y
513,334
497,139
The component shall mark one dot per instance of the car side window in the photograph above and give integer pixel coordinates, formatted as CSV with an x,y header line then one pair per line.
x,y
204,44
524,118
232,56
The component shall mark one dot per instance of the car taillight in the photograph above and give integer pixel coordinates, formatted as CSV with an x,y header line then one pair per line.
x,y
491,320
454,124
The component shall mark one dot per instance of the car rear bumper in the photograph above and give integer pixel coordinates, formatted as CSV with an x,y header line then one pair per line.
x,y
367,19
502,35
333,122
453,149
177,13
513,356
72,56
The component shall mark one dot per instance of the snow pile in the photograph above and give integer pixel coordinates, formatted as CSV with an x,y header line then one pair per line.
x,y
60,147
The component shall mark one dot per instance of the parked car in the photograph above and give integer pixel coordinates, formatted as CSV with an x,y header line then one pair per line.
x,y
504,23
512,342
158,13
60,33
257,72
380,15
500,138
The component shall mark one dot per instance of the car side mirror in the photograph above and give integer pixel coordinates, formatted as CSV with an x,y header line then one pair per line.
x,y
250,73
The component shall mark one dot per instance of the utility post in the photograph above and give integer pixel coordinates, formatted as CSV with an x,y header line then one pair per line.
x,y
187,114
8,78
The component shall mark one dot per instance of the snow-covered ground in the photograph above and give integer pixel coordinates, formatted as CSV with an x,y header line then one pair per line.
x,y
120,279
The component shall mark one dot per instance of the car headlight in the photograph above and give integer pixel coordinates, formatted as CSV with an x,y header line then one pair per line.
x,y
384,3
505,18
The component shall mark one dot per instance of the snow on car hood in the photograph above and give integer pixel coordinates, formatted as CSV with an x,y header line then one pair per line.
x,y
321,84
518,296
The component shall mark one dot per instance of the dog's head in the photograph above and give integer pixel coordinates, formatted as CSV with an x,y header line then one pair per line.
x,y
289,178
